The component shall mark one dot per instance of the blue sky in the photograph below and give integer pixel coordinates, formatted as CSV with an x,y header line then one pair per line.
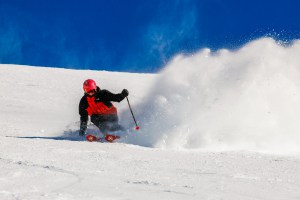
x,y
135,35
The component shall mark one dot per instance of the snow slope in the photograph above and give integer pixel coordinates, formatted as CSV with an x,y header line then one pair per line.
x,y
206,120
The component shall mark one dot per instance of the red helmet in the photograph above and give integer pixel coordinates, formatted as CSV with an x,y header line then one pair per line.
x,y
89,85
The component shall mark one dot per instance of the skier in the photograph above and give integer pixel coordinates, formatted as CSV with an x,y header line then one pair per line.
x,y
96,103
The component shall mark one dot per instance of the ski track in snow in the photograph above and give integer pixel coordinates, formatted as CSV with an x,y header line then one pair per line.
x,y
26,164
41,156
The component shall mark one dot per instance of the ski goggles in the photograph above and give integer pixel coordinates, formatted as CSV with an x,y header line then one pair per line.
x,y
91,92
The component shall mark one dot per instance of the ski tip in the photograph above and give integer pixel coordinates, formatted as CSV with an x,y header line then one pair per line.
x,y
90,138
137,128
111,138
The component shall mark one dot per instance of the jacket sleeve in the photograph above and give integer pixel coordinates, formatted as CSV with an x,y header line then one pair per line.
x,y
83,105
108,96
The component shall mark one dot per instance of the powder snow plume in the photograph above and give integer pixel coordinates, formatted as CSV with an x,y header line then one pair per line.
x,y
246,99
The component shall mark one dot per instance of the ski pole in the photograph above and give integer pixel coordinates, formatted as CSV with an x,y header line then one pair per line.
x,y
136,126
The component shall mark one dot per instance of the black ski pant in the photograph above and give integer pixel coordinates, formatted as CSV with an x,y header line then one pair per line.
x,y
106,123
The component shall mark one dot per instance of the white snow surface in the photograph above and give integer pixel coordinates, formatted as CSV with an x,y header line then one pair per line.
x,y
222,125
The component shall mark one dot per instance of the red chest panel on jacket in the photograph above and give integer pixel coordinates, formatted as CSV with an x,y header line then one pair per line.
x,y
99,108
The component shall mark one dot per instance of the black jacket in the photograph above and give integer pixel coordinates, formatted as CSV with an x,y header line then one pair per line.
x,y
103,96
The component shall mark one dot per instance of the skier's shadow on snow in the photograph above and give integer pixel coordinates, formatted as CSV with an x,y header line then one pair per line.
x,y
67,136
51,138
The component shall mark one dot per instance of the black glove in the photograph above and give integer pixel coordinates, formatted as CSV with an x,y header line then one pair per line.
x,y
83,127
125,92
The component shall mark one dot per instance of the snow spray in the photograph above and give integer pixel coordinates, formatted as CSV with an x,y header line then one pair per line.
x,y
247,99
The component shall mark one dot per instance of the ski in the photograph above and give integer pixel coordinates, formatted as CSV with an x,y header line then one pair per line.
x,y
107,138
92,138
111,138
